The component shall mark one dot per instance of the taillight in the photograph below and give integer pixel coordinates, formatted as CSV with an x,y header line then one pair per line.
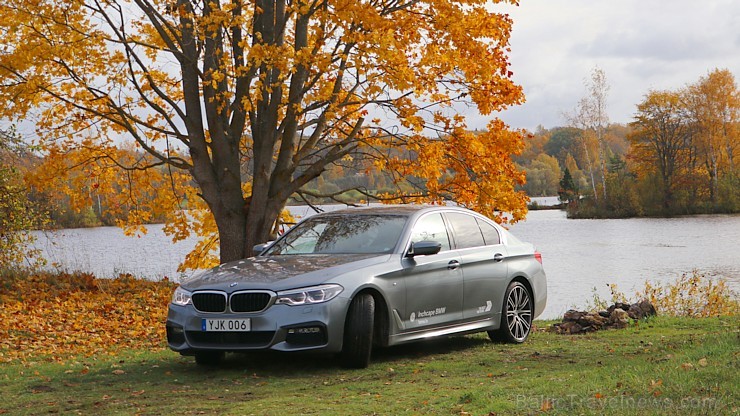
x,y
538,256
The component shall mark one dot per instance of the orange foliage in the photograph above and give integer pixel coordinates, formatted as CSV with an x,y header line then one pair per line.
x,y
234,95
129,187
473,169
52,317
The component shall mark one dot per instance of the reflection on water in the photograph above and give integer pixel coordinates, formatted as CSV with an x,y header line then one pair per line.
x,y
579,255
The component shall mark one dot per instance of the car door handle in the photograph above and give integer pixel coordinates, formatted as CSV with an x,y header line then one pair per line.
x,y
453,264
498,257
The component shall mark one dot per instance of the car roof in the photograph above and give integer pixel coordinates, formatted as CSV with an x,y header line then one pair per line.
x,y
406,210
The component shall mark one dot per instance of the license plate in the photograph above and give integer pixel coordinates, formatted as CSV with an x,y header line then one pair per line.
x,y
226,325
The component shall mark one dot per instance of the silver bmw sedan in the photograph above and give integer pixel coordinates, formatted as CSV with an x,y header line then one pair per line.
x,y
347,281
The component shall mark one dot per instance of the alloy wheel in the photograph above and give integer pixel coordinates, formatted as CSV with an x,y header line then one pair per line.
x,y
519,312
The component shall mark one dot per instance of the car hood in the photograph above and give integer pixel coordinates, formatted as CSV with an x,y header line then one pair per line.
x,y
279,272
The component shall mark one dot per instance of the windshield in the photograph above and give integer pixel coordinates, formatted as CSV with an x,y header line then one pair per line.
x,y
342,234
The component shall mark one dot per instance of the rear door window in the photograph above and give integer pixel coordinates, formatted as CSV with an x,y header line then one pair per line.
x,y
466,231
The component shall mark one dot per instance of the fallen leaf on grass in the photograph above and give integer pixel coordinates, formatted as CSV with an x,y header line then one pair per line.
x,y
703,362
79,322
118,372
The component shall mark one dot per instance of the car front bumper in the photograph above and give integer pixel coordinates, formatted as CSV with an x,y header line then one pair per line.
x,y
318,327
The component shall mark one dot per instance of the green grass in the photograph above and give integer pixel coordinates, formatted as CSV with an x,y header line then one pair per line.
x,y
661,366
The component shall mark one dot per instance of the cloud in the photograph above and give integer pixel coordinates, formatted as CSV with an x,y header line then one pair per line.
x,y
641,45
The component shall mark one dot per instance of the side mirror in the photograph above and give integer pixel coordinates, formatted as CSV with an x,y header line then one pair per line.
x,y
259,248
424,248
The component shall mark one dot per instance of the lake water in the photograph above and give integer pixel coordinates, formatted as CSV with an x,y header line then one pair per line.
x,y
579,255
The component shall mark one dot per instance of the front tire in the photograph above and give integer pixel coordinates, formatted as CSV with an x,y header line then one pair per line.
x,y
358,332
516,318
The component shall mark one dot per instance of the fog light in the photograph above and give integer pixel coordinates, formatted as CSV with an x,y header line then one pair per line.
x,y
175,335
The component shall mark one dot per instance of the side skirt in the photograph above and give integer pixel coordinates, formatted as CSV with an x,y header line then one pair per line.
x,y
457,329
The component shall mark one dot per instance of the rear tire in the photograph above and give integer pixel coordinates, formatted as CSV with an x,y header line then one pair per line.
x,y
516,315
358,332
209,358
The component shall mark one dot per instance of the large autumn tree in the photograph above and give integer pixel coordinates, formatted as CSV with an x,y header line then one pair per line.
x,y
254,99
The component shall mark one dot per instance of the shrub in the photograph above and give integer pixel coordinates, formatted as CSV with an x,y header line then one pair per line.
x,y
694,295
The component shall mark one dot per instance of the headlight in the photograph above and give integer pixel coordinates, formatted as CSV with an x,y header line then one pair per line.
x,y
308,295
181,297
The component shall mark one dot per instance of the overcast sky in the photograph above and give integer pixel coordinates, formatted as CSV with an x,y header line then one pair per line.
x,y
640,45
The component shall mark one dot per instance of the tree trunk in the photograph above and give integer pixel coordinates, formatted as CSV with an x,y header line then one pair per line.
x,y
602,155
260,222
667,195
590,168
231,234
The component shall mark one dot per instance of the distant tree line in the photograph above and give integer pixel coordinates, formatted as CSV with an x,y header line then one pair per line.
x,y
685,143
679,156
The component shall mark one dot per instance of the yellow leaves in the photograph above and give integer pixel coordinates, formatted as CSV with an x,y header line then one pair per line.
x,y
54,316
216,77
45,35
473,169
204,254
692,295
